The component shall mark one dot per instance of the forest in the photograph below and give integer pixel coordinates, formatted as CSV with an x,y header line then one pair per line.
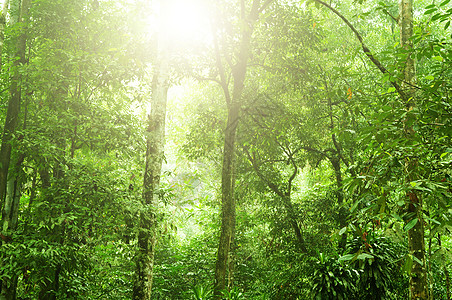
x,y
227,149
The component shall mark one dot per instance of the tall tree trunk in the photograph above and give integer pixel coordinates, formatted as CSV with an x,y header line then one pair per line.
x,y
10,216
2,29
10,208
416,242
12,113
155,141
234,102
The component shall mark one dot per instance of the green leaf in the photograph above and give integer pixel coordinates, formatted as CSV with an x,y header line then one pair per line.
x,y
391,89
444,2
346,257
437,16
432,220
408,264
365,256
397,217
429,77
410,224
413,183
447,25
417,260
343,230
430,11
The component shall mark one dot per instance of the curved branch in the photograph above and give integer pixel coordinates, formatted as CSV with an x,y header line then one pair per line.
x,y
366,50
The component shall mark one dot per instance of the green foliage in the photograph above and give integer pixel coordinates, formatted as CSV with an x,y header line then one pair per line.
x,y
201,293
310,97
333,280
381,276
233,294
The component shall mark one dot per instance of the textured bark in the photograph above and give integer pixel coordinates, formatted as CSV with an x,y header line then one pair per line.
x,y
10,215
416,242
155,142
9,204
228,201
234,101
12,113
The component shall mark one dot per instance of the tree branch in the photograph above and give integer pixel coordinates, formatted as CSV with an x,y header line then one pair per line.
x,y
366,50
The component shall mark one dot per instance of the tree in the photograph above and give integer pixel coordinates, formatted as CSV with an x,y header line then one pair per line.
x,y
416,240
9,203
233,98
155,143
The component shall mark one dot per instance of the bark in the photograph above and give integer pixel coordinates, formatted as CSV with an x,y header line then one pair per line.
x,y
228,201
233,100
416,241
10,215
13,109
9,204
155,141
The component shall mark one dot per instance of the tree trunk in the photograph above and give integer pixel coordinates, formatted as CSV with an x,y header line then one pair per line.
x,y
228,216
10,215
416,242
12,113
293,222
155,142
228,200
10,207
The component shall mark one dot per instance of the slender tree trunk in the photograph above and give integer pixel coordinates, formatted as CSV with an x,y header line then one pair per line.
x,y
293,222
12,113
228,200
416,242
10,207
228,217
155,141
10,216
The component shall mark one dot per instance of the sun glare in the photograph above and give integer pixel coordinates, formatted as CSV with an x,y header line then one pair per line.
x,y
185,20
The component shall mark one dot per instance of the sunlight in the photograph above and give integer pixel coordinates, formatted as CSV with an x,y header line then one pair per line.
x,y
185,21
